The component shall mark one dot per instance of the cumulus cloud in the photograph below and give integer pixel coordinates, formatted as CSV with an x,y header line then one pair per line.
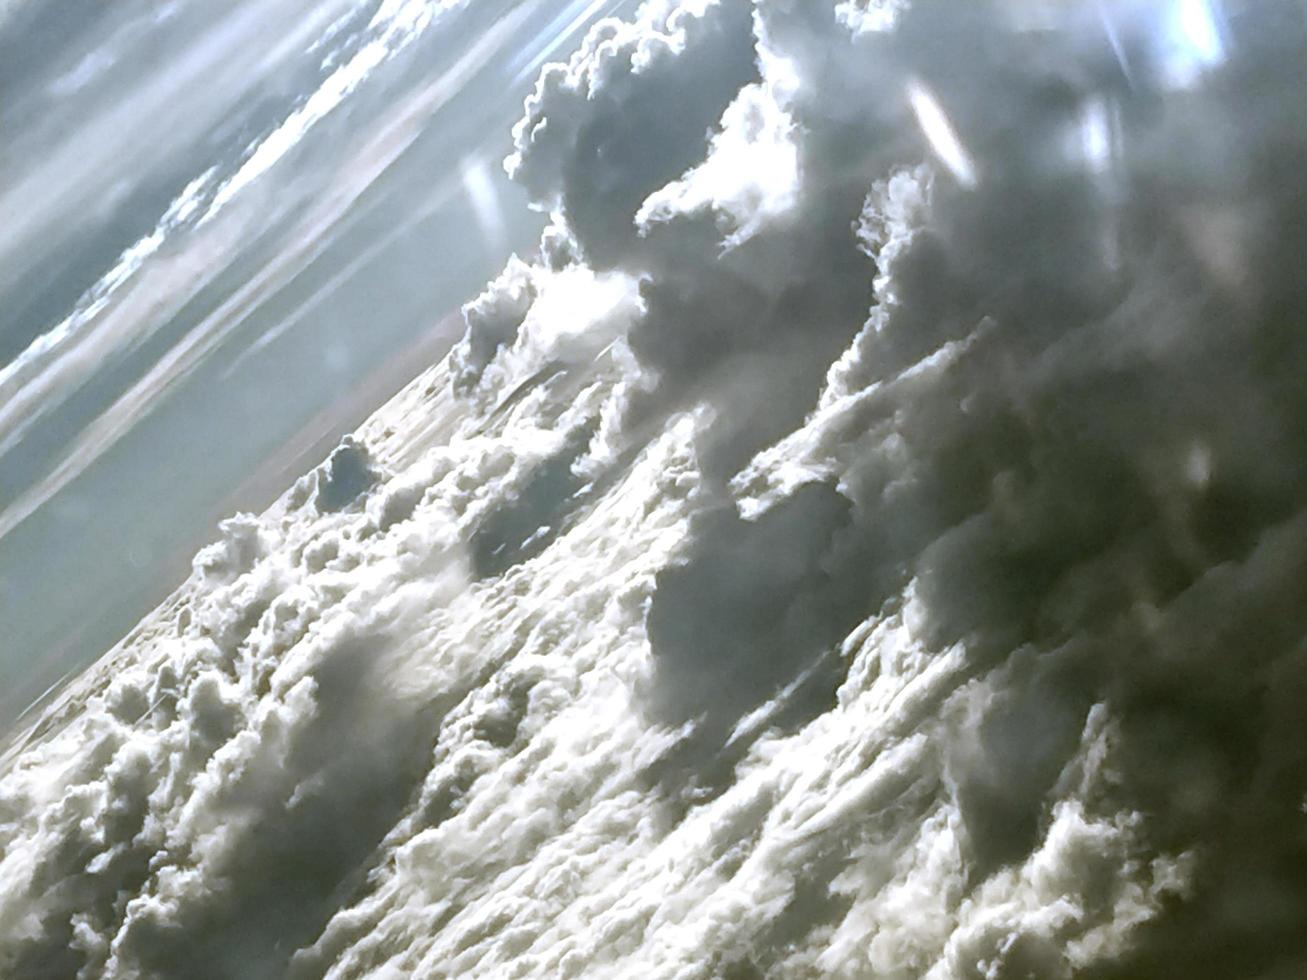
x,y
821,559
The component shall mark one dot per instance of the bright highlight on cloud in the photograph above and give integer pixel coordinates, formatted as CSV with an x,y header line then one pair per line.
x,y
865,540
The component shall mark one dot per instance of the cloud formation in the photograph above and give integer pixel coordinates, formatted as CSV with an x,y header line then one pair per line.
x,y
865,541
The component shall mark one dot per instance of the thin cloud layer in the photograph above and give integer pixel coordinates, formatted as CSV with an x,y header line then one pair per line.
x,y
866,540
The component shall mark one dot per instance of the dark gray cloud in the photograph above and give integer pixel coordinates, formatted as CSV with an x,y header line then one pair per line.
x,y
866,541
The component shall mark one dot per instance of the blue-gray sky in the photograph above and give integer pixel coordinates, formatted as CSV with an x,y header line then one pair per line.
x,y
227,227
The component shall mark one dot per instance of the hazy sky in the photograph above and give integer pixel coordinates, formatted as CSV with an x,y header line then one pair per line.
x,y
224,221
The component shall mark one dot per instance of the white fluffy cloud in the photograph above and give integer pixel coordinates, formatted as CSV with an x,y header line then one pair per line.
x,y
809,565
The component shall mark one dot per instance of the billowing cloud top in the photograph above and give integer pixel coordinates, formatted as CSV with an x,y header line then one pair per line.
x,y
867,540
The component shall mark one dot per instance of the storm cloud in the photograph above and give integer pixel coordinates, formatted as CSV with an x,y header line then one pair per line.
x,y
866,539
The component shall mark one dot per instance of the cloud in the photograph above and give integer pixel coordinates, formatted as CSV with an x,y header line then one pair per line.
x,y
578,147
817,561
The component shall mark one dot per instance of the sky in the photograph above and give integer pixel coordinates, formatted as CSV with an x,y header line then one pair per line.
x,y
233,229
863,536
